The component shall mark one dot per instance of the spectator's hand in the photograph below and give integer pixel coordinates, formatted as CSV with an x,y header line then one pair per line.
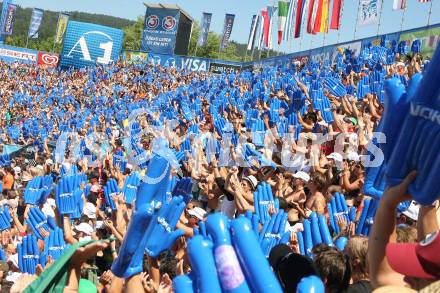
x,y
342,223
166,285
147,283
106,278
397,194
293,242
44,233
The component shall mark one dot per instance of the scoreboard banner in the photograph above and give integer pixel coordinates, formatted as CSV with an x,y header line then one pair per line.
x,y
160,30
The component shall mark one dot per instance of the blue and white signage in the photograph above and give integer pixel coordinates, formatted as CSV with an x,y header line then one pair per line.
x,y
87,44
181,62
160,30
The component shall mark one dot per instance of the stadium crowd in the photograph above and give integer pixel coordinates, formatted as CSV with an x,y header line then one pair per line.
x,y
286,147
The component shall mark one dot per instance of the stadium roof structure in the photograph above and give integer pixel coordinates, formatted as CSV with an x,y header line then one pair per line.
x,y
168,6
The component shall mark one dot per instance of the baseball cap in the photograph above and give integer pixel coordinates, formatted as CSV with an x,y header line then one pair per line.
x,y
85,228
335,156
413,211
197,212
352,156
302,175
419,260
290,267
90,210
252,180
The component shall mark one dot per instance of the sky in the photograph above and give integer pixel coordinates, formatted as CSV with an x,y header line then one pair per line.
x,y
416,15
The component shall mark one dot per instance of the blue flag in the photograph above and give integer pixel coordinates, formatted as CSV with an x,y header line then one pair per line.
x,y
227,29
204,29
8,24
4,12
34,25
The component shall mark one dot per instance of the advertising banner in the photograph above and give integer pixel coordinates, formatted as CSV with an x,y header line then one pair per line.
x,y
220,68
160,29
48,59
132,57
368,12
227,30
12,54
181,62
63,19
8,25
204,29
428,37
87,44
34,25
5,7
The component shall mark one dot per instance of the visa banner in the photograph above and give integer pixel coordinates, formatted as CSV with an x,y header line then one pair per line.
x,y
180,62
160,30
87,44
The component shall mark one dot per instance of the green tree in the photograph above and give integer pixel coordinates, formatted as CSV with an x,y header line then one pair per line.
x,y
133,35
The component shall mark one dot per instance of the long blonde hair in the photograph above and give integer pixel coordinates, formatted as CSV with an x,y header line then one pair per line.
x,y
357,249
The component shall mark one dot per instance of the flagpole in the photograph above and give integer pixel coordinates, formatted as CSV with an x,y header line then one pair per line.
x,y
430,12
380,18
340,22
357,20
403,16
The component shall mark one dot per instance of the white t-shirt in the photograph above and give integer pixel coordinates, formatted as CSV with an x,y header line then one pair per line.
x,y
228,208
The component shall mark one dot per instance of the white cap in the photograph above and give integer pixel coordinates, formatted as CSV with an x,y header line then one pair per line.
x,y
252,180
302,175
90,210
197,212
85,228
413,211
99,224
352,156
335,156
49,162
17,169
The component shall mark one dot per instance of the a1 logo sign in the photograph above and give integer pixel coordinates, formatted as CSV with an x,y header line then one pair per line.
x,y
90,37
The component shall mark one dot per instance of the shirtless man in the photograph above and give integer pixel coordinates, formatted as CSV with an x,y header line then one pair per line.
x,y
297,198
316,200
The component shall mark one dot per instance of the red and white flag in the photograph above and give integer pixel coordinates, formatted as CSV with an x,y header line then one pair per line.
x,y
399,4
336,14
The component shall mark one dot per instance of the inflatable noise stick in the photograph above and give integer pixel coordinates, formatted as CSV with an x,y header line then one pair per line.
x,y
255,266
230,273
204,267
183,284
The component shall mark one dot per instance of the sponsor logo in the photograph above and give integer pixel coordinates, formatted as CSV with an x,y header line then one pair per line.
x,y
48,59
152,21
169,23
425,112
18,55
91,38
9,20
